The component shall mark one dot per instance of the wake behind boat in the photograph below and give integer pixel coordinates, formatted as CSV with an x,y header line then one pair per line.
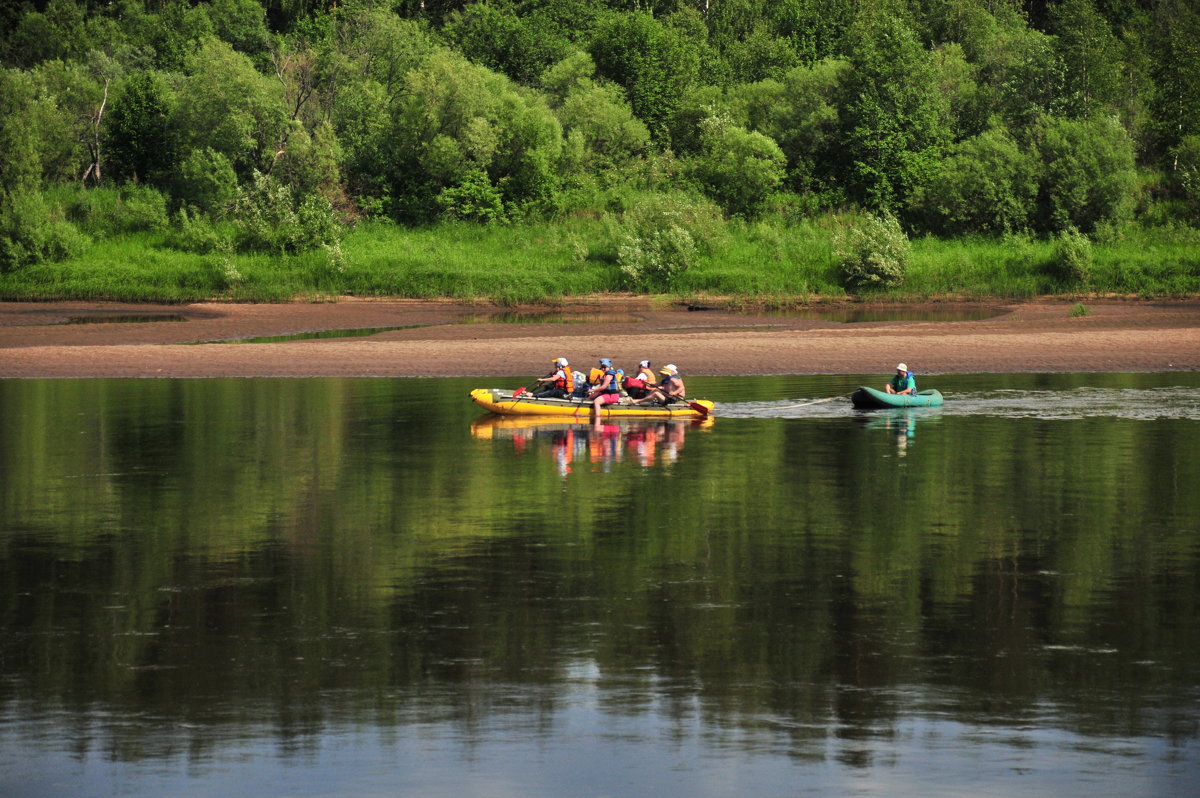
x,y
505,403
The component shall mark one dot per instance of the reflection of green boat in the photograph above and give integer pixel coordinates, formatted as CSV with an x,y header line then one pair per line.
x,y
870,398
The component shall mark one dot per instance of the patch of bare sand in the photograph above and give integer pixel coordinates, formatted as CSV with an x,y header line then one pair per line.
x,y
448,339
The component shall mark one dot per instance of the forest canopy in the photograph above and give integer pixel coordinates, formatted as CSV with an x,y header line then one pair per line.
x,y
239,126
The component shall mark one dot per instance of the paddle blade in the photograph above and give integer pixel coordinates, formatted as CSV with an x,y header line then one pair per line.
x,y
518,392
699,408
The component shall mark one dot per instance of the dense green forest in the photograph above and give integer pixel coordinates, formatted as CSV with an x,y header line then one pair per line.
x,y
522,150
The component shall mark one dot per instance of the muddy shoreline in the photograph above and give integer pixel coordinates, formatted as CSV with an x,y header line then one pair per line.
x,y
445,339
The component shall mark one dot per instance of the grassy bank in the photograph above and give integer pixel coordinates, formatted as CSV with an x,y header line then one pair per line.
x,y
760,262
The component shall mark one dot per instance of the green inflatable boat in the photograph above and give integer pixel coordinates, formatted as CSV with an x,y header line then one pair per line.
x,y
869,398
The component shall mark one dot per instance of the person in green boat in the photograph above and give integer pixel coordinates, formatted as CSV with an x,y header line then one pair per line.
x,y
903,382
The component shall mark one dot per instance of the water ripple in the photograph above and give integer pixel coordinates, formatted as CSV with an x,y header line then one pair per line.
x,y
1137,404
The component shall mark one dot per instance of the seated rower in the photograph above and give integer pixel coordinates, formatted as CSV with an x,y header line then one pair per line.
x,y
642,383
903,382
608,391
671,389
561,381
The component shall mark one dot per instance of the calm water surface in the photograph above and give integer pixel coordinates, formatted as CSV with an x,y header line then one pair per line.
x,y
363,587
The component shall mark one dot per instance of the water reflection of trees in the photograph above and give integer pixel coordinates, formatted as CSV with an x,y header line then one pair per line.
x,y
288,555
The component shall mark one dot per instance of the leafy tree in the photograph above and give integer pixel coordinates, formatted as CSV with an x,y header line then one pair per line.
x,y
737,168
1091,57
365,66
138,138
815,28
762,54
496,37
1017,69
225,104
895,119
1175,45
240,23
800,113
595,114
986,184
652,62
456,117
59,31
63,103
1088,173
20,154
178,30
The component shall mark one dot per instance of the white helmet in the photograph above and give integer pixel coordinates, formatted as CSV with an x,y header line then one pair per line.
x,y
562,361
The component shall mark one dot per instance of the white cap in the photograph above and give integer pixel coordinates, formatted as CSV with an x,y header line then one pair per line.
x,y
902,367
645,364
562,361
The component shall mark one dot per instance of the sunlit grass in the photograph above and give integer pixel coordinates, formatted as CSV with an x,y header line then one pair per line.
x,y
766,263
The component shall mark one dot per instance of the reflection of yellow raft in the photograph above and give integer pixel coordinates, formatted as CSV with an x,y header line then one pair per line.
x,y
487,427
502,402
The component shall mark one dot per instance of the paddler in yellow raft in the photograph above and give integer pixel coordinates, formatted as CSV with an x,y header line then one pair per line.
x,y
608,391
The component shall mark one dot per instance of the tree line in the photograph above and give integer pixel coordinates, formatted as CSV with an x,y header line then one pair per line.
x,y
273,125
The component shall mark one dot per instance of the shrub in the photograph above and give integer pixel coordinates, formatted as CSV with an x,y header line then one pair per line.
x,y
1071,260
130,209
473,199
268,217
873,253
33,231
661,237
196,232
206,180
1187,173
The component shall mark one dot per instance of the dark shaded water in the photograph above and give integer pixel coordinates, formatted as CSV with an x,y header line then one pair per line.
x,y
360,587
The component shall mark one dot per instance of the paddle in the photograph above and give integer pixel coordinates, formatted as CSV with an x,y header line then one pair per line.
x,y
699,408
522,391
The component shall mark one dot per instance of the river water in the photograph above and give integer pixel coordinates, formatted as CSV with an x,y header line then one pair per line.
x,y
334,587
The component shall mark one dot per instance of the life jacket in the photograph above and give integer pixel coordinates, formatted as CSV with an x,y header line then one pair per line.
x,y
595,376
563,383
646,376
614,385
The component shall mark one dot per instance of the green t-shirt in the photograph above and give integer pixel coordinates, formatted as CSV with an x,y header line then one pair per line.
x,y
902,384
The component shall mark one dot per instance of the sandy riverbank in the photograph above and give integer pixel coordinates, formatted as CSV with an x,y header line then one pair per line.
x,y
446,339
